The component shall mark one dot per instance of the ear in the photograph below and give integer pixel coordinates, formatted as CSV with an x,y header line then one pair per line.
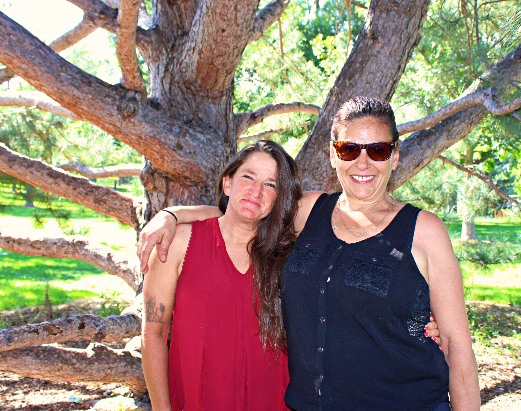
x,y
227,183
332,155
396,155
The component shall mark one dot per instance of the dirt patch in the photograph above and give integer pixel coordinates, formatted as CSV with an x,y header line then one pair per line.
x,y
497,346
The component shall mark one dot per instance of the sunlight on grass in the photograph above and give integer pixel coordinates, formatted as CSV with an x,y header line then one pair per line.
x,y
23,280
500,283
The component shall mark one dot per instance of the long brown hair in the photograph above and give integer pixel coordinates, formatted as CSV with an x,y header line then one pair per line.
x,y
274,238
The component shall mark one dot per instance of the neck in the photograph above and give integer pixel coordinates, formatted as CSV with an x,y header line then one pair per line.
x,y
347,205
237,231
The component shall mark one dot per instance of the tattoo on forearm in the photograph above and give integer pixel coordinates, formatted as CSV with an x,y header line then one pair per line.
x,y
153,312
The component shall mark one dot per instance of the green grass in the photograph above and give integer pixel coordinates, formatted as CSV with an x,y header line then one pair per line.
x,y
498,229
23,280
14,206
499,283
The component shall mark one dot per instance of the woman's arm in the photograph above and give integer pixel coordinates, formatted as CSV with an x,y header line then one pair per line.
x,y
160,231
158,300
435,258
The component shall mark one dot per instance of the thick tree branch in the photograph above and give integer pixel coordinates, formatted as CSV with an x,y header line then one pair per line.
x,y
488,98
214,47
483,178
40,104
118,111
97,363
73,36
266,17
83,327
78,33
264,135
78,189
421,147
121,170
115,263
244,121
126,46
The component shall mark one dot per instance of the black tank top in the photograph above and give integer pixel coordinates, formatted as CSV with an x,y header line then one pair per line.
x,y
354,316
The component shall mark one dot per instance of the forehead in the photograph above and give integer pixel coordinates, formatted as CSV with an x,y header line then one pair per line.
x,y
262,164
366,129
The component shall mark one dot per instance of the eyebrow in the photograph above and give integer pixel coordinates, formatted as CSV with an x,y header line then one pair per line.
x,y
250,171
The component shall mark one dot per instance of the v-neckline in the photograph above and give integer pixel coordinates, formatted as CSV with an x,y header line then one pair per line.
x,y
227,255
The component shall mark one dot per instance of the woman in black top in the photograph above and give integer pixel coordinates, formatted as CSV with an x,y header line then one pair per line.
x,y
361,281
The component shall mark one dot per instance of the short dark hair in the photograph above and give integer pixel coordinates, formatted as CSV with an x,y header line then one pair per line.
x,y
274,239
359,107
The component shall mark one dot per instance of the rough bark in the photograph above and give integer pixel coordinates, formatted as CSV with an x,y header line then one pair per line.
x,y
53,180
126,46
246,120
125,267
105,14
83,327
468,230
488,98
82,30
112,108
97,363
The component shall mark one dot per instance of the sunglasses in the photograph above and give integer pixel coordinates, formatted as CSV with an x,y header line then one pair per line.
x,y
348,151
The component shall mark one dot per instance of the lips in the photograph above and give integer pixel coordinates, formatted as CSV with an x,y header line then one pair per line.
x,y
252,202
362,179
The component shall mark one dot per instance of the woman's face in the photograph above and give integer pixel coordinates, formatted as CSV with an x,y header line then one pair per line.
x,y
364,179
252,190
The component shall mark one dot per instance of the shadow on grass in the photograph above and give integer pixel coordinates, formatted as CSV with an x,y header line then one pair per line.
x,y
488,321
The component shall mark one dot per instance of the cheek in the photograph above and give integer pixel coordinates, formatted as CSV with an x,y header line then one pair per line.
x,y
271,201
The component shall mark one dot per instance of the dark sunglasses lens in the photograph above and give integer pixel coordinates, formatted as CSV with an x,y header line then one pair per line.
x,y
379,151
347,151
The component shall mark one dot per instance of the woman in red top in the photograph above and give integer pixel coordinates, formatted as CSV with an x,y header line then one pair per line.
x,y
227,347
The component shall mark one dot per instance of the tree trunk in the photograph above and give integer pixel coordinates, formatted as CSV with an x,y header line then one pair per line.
x,y
468,229
29,196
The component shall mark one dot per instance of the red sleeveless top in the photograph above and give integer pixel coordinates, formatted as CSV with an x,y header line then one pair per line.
x,y
216,359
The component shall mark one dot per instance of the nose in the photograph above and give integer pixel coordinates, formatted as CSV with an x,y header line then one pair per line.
x,y
256,189
362,162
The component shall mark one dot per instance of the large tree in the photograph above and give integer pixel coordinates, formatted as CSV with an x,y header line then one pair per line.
x,y
183,122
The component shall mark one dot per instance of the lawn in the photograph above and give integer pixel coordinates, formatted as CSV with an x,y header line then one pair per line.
x,y
24,279
498,239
